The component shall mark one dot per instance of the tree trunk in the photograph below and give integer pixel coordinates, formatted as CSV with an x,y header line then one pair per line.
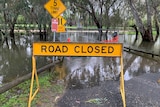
x,y
106,34
145,33
12,35
99,26
135,28
45,32
107,23
97,22
156,22
40,32
157,28
100,33
5,40
148,33
137,18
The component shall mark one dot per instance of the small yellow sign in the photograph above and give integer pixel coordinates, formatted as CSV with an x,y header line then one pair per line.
x,y
61,20
55,7
61,28
61,23
77,49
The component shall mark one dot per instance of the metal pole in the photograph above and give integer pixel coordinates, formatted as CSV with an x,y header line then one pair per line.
x,y
54,39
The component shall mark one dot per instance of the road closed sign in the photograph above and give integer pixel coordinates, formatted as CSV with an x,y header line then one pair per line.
x,y
77,49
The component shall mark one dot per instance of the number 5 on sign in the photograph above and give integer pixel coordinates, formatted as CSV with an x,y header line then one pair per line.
x,y
55,3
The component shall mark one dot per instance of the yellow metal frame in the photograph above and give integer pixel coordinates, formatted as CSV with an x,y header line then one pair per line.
x,y
35,76
122,90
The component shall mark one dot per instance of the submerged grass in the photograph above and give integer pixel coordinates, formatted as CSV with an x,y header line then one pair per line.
x,y
18,96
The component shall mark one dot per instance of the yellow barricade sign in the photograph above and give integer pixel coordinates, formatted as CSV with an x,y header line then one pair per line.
x,y
75,49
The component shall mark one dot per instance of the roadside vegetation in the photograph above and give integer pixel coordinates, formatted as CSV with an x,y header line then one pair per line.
x,y
49,92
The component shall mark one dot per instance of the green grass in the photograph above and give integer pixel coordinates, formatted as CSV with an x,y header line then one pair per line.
x,y
18,96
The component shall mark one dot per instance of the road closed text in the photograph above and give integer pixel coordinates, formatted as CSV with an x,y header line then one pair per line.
x,y
76,49
91,49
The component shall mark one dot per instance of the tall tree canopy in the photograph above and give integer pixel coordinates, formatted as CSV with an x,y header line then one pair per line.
x,y
150,7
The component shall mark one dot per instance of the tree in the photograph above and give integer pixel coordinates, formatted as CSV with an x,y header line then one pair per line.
x,y
145,30
96,9
38,15
10,12
155,5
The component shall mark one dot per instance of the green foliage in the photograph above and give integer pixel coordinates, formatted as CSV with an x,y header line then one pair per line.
x,y
18,96
21,19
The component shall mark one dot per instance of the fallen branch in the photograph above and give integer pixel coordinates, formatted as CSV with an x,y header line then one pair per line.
x,y
14,83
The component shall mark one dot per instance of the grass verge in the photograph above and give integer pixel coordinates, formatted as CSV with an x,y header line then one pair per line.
x,y
48,94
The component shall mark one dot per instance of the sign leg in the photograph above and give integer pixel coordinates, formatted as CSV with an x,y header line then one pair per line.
x,y
34,74
122,90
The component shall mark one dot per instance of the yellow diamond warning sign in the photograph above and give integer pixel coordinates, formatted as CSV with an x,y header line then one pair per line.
x,y
55,7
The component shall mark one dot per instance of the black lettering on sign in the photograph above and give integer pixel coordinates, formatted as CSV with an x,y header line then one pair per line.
x,y
54,12
55,8
58,49
64,49
60,21
76,49
51,48
90,49
43,48
97,50
55,2
83,50
110,49
103,49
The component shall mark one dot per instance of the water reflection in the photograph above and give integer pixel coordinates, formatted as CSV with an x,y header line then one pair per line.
x,y
82,72
28,50
137,65
1,79
130,41
16,61
90,71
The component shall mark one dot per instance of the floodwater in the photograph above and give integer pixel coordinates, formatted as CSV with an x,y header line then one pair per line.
x,y
79,72
82,72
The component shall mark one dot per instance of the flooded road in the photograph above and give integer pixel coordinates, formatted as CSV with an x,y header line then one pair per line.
x,y
78,72
83,72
